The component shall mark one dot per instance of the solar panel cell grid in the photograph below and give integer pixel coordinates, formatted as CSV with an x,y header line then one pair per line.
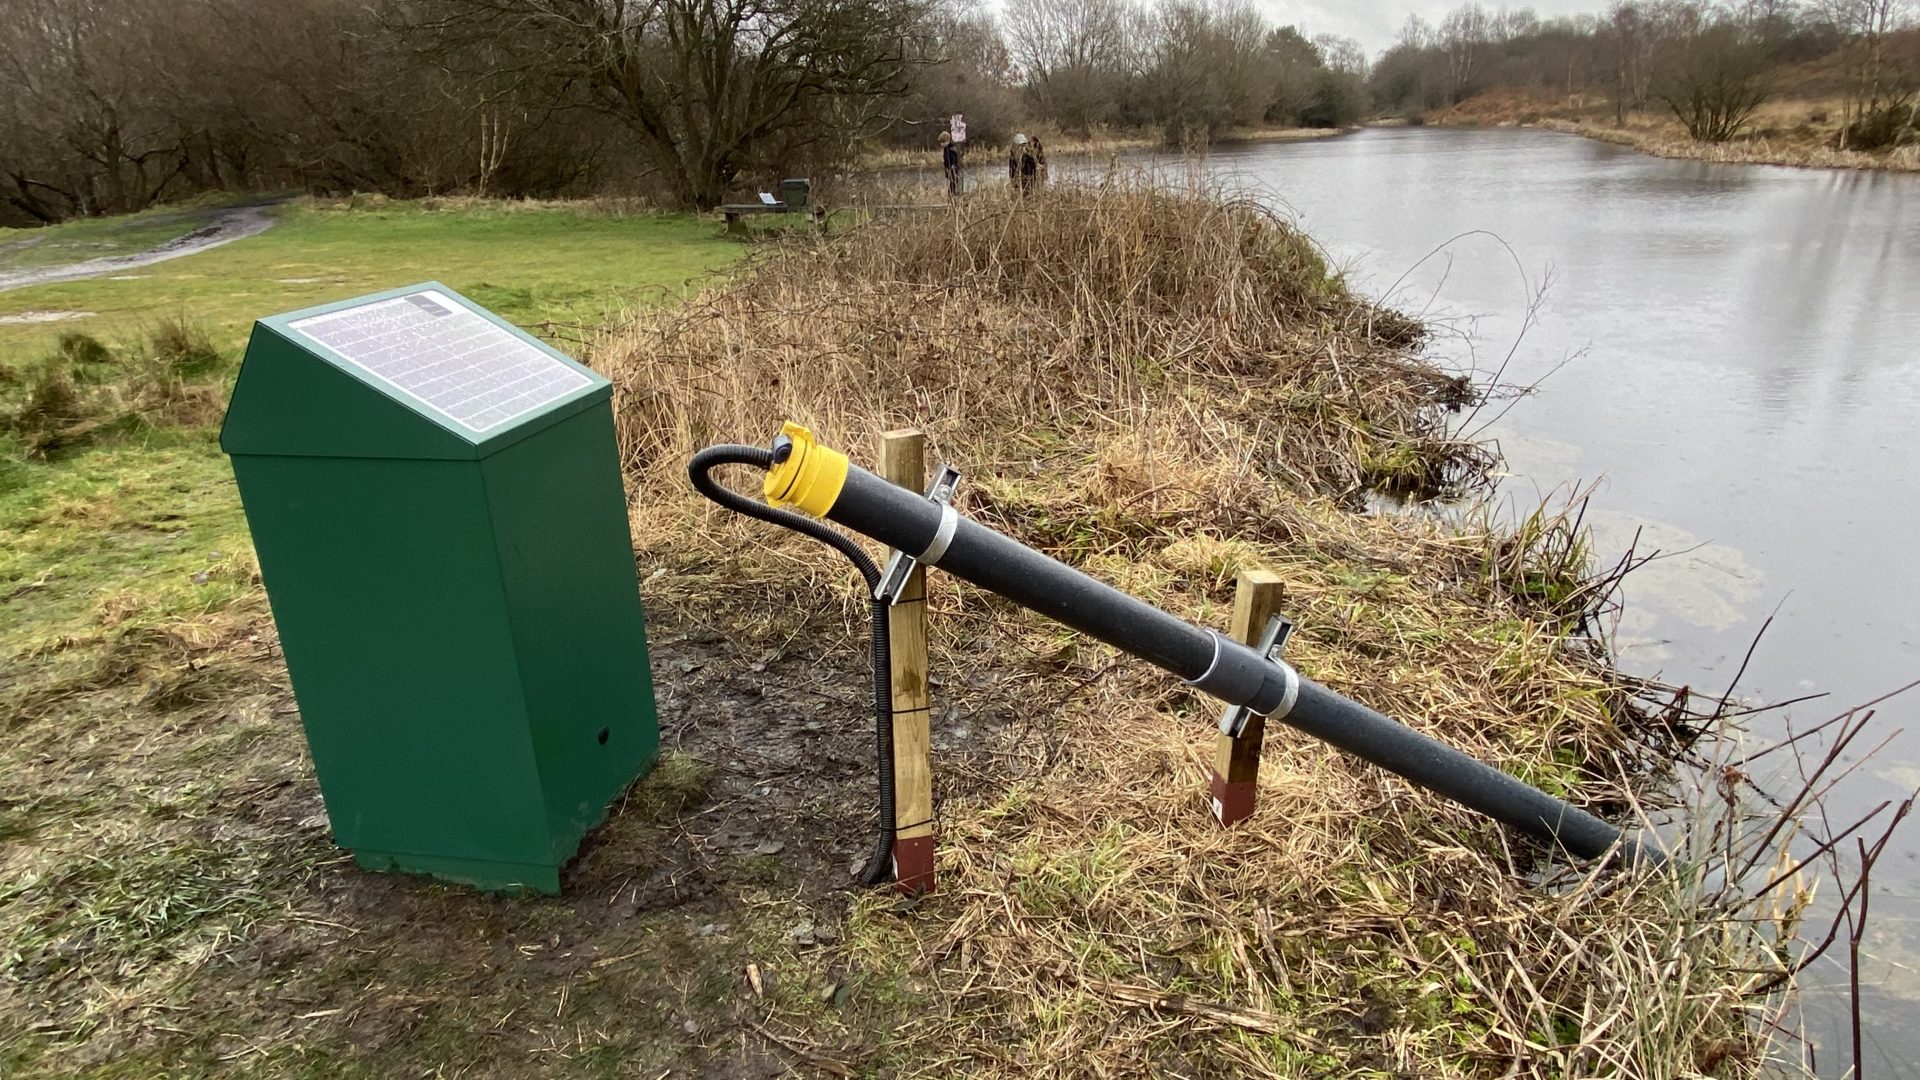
x,y
446,357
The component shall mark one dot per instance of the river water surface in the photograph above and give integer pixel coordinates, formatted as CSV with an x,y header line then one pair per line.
x,y
1734,352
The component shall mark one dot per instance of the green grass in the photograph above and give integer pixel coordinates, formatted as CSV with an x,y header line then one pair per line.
x,y
139,521
535,265
155,830
139,511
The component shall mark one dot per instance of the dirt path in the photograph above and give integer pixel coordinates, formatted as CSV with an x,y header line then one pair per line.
x,y
220,227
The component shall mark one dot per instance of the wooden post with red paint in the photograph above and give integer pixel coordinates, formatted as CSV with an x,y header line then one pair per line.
x,y
1236,762
903,461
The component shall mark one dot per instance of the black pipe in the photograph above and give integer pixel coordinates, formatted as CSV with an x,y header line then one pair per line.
x,y
880,864
1220,666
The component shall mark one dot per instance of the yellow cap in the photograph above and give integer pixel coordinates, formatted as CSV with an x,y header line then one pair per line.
x,y
810,478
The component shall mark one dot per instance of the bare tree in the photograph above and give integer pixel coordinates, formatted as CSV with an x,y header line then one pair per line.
x,y
1626,38
1635,36
1340,92
77,100
1075,55
1415,33
1206,68
1339,53
1463,36
708,87
970,72
1866,25
1714,80
1239,43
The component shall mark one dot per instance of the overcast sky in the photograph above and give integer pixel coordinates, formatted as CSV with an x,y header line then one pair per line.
x,y
1375,23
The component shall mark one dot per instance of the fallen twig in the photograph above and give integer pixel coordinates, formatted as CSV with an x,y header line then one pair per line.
x,y
1145,997
811,1057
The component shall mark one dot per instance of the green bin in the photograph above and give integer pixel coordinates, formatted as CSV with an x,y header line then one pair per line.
x,y
436,501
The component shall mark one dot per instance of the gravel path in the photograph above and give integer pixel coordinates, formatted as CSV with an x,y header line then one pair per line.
x,y
221,227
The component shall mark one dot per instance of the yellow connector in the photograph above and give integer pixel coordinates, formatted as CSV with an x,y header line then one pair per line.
x,y
810,478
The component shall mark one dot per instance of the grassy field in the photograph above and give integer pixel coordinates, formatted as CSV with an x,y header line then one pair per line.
x,y
561,271
539,266
141,687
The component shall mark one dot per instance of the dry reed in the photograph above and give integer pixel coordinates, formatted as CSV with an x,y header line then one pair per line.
x,y
1796,152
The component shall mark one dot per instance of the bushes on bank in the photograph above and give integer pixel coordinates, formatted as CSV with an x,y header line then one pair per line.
x,y
1880,129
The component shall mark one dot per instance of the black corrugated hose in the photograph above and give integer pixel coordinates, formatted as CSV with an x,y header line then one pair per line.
x,y
880,866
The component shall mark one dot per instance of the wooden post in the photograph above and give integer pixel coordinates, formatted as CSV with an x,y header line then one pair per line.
x,y
903,460
1236,762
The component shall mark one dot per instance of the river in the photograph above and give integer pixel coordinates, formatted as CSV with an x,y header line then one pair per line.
x,y
1733,351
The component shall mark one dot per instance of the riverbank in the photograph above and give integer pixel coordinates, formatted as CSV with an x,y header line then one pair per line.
x,y
1159,387
1792,133
1661,142
1114,369
1099,145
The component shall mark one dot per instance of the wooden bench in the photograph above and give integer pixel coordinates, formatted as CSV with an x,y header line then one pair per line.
x,y
736,213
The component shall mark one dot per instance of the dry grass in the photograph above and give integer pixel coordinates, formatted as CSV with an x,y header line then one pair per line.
x,y
1661,142
1164,388
1100,143
1796,132
1135,311
71,397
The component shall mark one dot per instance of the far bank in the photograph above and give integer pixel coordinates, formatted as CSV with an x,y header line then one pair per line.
x,y
1795,132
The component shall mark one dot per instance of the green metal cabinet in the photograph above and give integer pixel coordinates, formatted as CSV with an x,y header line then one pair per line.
x,y
436,500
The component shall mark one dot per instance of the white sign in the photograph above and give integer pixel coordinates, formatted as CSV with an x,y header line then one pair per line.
x,y
958,127
430,348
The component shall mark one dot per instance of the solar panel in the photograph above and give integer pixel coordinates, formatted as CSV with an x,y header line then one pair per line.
x,y
440,353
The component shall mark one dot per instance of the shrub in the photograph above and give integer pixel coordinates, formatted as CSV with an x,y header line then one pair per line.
x,y
53,412
1053,316
83,349
71,396
180,350
1716,81
1880,129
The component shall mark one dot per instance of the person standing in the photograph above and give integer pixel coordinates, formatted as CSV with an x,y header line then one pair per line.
x,y
950,163
1026,165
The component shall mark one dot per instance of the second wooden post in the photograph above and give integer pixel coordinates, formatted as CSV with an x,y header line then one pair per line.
x,y
903,461
1236,762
